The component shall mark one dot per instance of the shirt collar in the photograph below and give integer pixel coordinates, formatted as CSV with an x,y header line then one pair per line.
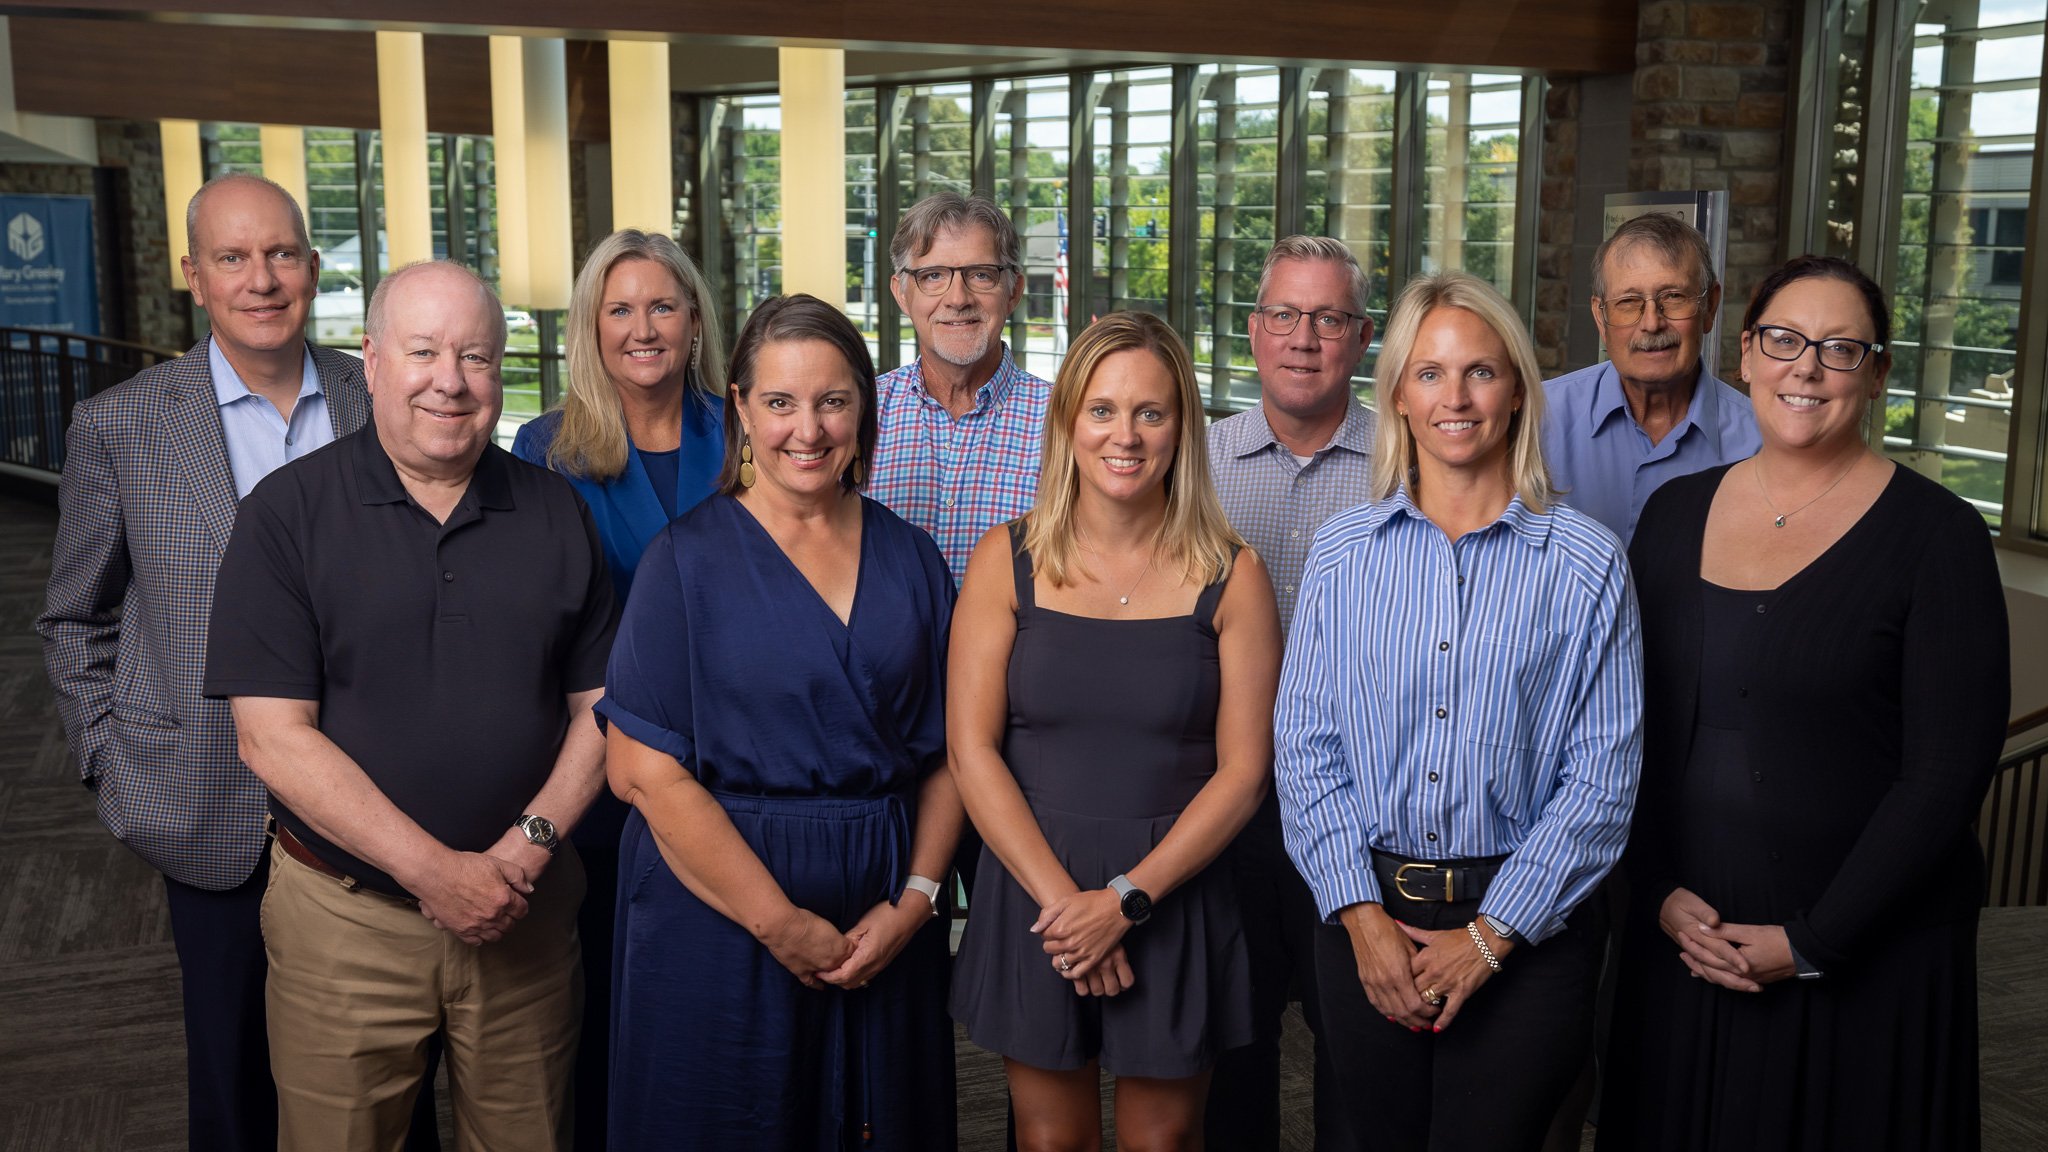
x,y
1354,434
992,391
1532,527
229,387
1704,413
377,479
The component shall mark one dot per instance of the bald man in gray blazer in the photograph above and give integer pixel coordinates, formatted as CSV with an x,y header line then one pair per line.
x,y
153,471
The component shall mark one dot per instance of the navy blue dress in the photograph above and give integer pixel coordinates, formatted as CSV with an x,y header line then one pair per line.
x,y
814,735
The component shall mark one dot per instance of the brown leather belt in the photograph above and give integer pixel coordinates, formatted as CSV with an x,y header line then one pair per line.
x,y
304,855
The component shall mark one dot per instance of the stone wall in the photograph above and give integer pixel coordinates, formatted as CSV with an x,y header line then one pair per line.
x,y
153,312
1710,100
1555,223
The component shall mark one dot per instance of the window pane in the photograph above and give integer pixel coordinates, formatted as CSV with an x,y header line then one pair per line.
x,y
751,146
1032,149
1969,140
1133,161
1351,179
1473,133
1237,119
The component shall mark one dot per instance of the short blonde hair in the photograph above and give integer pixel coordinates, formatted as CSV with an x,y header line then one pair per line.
x,y
1393,460
1196,537
591,442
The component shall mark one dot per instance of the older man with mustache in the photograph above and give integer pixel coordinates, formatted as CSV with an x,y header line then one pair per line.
x,y
1617,431
959,427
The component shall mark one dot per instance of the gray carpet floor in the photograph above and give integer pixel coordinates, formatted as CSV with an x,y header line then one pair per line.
x,y
91,1040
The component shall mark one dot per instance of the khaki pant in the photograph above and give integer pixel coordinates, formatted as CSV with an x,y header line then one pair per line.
x,y
360,981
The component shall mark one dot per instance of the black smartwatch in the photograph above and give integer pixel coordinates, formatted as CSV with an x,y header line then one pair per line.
x,y
1135,904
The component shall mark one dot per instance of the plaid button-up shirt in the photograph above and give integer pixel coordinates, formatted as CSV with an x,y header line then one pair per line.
x,y
1276,502
958,476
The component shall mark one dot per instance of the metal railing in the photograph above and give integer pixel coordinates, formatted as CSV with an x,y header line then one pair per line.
x,y
42,375
2013,824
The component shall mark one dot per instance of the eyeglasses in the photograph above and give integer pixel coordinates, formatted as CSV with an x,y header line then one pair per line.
x,y
934,279
1837,352
1328,323
1627,311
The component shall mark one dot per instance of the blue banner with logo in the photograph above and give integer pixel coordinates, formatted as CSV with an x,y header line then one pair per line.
x,y
47,277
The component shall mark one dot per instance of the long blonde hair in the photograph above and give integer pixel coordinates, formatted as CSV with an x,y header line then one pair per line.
x,y
592,439
1393,457
1196,536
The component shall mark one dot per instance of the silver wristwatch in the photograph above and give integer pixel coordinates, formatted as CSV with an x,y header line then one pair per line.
x,y
540,832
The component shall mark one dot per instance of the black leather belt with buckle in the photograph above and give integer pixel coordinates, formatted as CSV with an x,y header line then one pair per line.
x,y
1446,881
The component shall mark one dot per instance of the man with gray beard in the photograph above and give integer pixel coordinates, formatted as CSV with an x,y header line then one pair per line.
x,y
957,446
1615,432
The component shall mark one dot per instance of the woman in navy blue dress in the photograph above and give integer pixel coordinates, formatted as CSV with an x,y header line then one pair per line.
x,y
776,715
638,436
1113,680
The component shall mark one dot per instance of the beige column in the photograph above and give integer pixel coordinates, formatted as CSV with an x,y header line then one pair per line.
x,y
402,134
508,156
643,165
550,249
813,82
184,172
284,160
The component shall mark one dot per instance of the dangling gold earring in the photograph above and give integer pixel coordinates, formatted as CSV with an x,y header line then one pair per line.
x,y
857,472
746,461
697,357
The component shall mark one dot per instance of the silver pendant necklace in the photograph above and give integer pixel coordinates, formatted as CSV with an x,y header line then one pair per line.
x,y
1125,599
1781,517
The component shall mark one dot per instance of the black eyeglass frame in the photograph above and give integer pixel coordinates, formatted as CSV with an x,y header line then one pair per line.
x,y
953,272
1869,347
1263,310
1699,303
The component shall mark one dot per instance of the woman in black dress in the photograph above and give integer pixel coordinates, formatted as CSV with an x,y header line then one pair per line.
x,y
1109,718
1826,694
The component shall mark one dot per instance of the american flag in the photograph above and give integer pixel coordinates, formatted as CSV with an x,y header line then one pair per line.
x,y
1059,292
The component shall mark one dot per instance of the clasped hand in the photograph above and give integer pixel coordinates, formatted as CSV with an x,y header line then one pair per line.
x,y
476,896
877,938
1741,957
1083,935
1398,963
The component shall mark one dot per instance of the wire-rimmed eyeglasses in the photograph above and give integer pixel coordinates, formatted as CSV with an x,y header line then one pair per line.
x,y
1627,311
1841,353
934,279
1328,323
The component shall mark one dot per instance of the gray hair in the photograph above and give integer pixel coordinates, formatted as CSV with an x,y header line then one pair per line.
x,y
1318,248
380,300
291,202
920,227
1665,234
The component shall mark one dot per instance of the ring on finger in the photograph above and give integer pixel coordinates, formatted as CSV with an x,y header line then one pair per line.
x,y
1066,965
1435,999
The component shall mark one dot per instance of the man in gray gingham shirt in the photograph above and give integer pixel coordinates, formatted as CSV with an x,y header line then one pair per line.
x,y
1302,455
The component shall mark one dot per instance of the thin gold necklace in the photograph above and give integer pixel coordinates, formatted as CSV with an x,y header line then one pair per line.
x,y
1781,517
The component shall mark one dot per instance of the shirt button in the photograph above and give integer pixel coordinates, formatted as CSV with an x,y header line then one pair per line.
x,y
1443,645
1432,777
1290,587
1775,857
1742,692
1440,713
287,441
448,577
1296,533
1461,581
1431,837
1757,776
1761,609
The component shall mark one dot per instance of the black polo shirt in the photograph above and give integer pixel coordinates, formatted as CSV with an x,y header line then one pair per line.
x,y
442,655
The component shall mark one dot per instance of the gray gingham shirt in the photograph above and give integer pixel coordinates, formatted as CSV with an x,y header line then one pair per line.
x,y
1275,502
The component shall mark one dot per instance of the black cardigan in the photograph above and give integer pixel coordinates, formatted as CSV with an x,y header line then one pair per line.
x,y
1878,708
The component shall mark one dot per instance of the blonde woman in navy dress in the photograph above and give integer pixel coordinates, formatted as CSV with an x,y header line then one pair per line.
x,y
1109,720
1457,743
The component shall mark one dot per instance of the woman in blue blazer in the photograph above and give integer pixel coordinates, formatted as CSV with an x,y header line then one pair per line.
x,y
640,433
640,430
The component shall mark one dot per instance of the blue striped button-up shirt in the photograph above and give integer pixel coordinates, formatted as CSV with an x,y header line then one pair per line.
x,y
958,476
1445,700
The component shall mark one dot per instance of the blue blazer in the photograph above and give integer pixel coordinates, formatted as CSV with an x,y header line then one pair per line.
x,y
626,510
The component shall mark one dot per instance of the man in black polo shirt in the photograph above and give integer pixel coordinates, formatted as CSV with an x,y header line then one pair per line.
x,y
414,627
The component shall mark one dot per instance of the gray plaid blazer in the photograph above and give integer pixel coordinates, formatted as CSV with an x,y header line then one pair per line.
x,y
147,504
